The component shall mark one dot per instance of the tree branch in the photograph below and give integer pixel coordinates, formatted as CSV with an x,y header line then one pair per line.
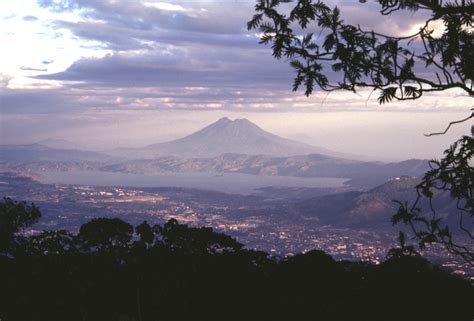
x,y
452,123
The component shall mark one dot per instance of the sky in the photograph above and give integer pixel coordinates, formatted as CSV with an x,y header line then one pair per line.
x,y
116,73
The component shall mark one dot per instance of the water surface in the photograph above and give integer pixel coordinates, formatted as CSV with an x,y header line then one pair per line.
x,y
227,182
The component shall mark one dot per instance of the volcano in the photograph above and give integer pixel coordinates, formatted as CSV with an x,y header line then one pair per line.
x,y
239,136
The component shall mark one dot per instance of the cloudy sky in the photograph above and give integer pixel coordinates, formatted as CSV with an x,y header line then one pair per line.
x,y
108,73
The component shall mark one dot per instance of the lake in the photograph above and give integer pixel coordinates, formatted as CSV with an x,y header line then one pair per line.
x,y
226,182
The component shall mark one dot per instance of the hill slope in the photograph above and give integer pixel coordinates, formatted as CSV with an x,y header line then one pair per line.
x,y
375,207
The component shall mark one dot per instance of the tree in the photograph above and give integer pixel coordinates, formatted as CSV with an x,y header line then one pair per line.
x,y
394,65
202,240
14,217
399,68
145,232
52,243
453,174
106,233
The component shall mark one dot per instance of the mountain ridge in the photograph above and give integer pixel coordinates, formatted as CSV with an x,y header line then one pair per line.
x,y
39,152
58,143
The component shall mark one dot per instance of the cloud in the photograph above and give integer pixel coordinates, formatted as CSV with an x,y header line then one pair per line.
x,y
32,68
58,5
4,81
368,16
34,101
165,6
179,55
188,29
210,17
122,38
30,18
203,66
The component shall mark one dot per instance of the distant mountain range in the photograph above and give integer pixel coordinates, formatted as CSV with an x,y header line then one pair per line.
x,y
39,152
226,146
361,174
239,136
225,136
57,143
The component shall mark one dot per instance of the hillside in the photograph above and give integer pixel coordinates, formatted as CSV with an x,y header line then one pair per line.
x,y
372,208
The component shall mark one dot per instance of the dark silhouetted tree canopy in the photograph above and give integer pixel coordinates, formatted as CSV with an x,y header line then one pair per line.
x,y
15,216
196,240
177,272
106,232
145,232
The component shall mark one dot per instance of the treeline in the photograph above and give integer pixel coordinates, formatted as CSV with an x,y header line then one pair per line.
x,y
113,271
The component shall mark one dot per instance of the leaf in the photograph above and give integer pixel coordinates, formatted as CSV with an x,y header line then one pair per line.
x,y
387,95
297,64
411,91
255,22
329,42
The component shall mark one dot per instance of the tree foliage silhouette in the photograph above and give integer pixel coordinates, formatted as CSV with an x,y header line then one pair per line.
x,y
394,65
453,174
196,240
106,233
15,216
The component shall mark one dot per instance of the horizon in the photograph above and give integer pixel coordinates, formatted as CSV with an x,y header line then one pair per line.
x,y
309,129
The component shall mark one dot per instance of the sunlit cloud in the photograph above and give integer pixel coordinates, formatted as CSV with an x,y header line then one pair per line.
x,y
164,6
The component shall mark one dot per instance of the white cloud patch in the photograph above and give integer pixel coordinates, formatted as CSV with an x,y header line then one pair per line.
x,y
165,6
5,80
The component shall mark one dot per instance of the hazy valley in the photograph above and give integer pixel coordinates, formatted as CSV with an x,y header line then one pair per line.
x,y
223,147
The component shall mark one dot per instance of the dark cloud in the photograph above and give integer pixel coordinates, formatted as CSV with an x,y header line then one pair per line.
x,y
209,16
109,37
121,38
30,18
190,66
140,20
196,44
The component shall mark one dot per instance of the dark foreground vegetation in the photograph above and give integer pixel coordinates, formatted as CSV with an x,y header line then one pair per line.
x,y
112,271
